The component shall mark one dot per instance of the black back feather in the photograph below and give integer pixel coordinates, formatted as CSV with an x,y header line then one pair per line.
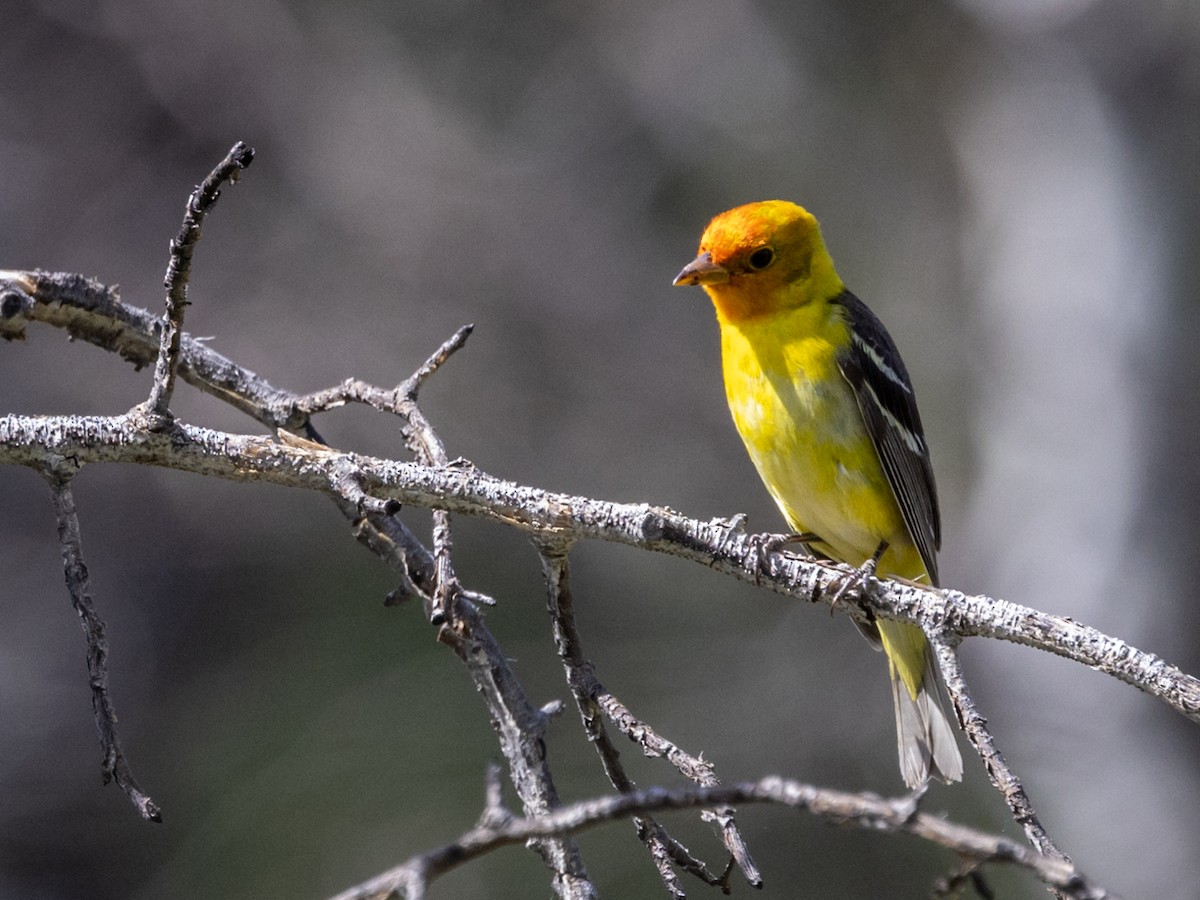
x,y
874,369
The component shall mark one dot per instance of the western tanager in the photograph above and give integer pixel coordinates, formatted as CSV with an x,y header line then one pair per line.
x,y
825,407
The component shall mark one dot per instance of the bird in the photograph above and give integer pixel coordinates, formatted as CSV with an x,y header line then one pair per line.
x,y
827,412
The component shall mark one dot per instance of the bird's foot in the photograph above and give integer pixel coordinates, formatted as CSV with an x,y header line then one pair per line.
x,y
763,544
857,580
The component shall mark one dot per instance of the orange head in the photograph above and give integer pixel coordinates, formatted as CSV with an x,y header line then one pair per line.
x,y
762,258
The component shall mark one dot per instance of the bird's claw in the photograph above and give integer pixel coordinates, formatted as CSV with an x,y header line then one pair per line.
x,y
734,524
857,580
761,545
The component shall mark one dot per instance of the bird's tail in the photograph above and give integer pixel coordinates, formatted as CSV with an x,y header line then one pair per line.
x,y
925,736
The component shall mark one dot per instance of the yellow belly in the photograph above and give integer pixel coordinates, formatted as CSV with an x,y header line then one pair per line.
x,y
803,430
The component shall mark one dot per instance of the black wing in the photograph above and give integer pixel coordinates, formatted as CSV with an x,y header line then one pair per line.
x,y
872,366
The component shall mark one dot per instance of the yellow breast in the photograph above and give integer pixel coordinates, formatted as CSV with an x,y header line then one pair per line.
x,y
801,425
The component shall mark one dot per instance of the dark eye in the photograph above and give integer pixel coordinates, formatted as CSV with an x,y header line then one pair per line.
x,y
762,257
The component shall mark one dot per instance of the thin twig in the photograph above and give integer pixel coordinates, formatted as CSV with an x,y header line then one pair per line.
x,y
894,816
495,814
967,874
421,438
696,768
411,386
975,726
179,267
114,765
581,677
519,727
352,390
373,525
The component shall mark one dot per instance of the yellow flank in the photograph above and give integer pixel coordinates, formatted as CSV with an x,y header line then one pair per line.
x,y
785,334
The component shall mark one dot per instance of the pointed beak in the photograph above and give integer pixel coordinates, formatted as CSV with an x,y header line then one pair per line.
x,y
702,270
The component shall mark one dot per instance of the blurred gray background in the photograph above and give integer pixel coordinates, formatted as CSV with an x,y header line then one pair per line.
x,y
1013,185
